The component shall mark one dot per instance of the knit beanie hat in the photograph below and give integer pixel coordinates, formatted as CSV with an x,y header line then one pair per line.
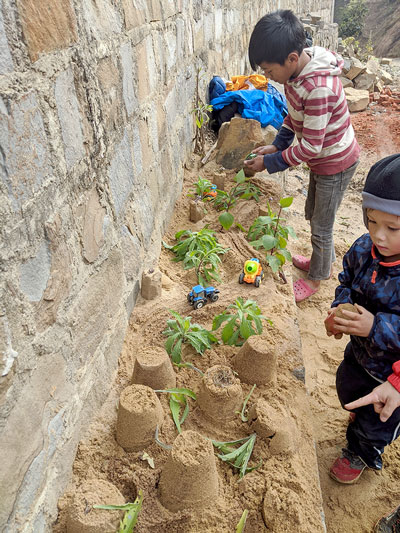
x,y
382,187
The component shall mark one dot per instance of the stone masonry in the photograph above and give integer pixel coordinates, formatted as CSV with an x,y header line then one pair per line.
x,y
95,125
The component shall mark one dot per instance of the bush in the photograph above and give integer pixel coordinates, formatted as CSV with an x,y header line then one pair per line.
x,y
352,19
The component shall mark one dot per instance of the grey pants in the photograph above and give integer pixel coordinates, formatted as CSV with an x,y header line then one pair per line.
x,y
324,197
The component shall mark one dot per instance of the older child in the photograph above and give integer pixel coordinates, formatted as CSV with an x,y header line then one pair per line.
x,y
319,117
371,281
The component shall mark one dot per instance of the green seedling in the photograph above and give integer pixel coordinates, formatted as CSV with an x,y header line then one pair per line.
x,y
201,114
200,189
178,399
243,413
243,190
243,319
199,250
207,264
181,331
251,156
269,232
238,457
242,522
184,364
128,523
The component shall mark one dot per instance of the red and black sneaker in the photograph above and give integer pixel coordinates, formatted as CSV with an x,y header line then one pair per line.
x,y
347,468
389,523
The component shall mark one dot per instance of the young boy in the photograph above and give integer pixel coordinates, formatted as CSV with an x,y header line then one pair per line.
x,y
371,281
319,117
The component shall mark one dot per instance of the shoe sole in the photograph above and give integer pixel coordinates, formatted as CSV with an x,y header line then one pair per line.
x,y
351,482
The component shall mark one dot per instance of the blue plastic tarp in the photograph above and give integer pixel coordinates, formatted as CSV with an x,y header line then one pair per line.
x,y
268,107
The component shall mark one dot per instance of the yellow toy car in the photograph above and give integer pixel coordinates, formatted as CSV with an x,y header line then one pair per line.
x,y
252,272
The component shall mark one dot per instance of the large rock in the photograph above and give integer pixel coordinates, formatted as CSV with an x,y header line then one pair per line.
x,y
373,65
356,100
385,77
346,82
365,81
237,139
356,68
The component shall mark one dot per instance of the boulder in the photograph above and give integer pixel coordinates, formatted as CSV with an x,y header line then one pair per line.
x,y
385,61
356,68
356,100
373,65
385,77
365,81
346,82
237,139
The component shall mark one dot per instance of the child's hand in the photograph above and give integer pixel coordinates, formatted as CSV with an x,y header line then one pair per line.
x,y
256,164
331,311
359,324
384,397
263,150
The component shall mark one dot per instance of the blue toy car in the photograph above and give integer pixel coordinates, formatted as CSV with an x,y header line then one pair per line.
x,y
199,296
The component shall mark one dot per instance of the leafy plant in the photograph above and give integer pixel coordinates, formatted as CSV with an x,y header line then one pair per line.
x,y
200,188
242,413
238,457
352,18
199,250
128,523
242,522
201,115
243,319
178,399
226,200
180,331
269,233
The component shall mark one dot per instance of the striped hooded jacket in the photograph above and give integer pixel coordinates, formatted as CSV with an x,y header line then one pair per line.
x,y
375,285
319,117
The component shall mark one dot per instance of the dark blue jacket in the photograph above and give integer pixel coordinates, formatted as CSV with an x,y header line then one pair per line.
x,y
375,285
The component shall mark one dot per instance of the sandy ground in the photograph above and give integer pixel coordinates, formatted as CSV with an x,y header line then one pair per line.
x,y
347,508
284,494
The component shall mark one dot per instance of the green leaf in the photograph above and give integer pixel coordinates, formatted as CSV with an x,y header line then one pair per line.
x,y
240,177
227,332
273,262
175,411
226,220
176,352
170,341
245,330
269,242
286,202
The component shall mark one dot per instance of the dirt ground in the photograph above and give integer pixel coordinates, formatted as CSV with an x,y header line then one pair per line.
x,y
284,494
354,508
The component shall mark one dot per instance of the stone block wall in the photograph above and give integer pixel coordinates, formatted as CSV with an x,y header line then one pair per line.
x,y
95,125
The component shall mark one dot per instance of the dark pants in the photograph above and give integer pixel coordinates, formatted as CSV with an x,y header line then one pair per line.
x,y
367,436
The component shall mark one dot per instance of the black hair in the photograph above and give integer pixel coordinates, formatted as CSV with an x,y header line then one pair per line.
x,y
275,36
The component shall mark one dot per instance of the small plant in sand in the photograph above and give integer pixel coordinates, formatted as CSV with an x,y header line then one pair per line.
x,y
243,319
201,114
181,331
200,188
243,412
199,250
270,233
178,399
243,190
238,457
242,522
128,523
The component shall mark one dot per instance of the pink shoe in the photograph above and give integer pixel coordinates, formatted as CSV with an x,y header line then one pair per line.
x,y
301,262
302,290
